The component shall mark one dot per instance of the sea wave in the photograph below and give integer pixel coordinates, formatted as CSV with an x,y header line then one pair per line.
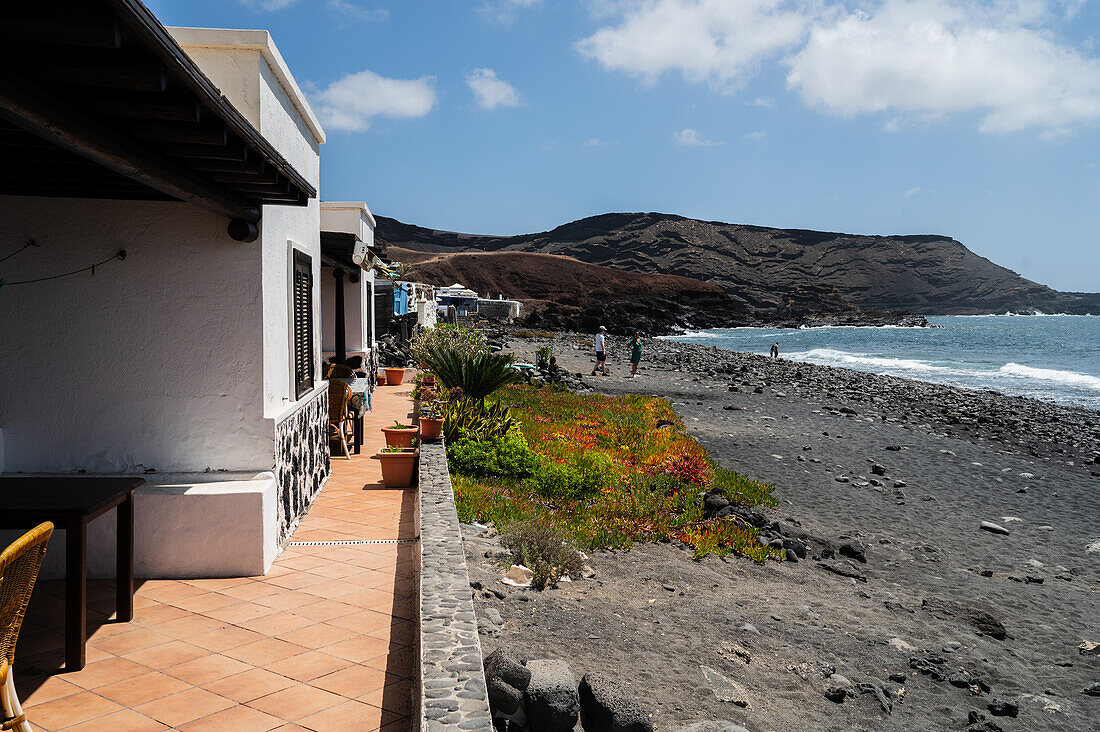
x,y
1071,378
845,358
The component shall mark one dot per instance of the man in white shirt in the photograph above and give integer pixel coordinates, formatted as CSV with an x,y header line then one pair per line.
x,y
601,356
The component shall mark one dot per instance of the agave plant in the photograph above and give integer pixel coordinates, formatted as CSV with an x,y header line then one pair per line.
x,y
476,420
477,375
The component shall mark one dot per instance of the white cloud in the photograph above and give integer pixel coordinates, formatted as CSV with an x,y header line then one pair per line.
x,y
765,102
918,57
912,191
357,12
593,142
688,137
756,135
351,102
717,41
491,91
916,60
506,11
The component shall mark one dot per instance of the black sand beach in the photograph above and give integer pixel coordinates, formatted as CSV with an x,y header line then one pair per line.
x,y
904,613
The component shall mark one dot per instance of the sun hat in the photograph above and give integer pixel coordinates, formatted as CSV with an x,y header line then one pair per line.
x,y
603,327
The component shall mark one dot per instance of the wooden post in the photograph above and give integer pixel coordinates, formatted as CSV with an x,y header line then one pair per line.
x,y
124,561
341,326
76,593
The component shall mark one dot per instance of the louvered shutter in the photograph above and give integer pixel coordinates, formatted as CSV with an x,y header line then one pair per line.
x,y
303,324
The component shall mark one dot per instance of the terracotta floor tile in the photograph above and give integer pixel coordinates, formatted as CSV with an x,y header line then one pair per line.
x,y
308,666
70,710
251,591
352,682
350,716
287,599
151,616
358,650
207,668
166,654
296,702
106,671
126,720
225,638
133,640
235,719
266,651
185,706
278,623
316,637
141,689
249,685
240,612
326,610
36,689
363,621
396,696
189,626
205,601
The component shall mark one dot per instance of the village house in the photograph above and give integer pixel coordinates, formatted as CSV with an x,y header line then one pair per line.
x,y
347,283
184,164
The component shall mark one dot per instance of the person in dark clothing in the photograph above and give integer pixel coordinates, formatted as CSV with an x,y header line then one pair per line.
x,y
775,350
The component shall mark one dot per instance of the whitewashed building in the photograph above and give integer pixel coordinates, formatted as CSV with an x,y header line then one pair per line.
x,y
347,282
194,361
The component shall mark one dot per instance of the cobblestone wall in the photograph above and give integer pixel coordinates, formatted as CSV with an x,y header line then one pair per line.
x,y
301,461
452,680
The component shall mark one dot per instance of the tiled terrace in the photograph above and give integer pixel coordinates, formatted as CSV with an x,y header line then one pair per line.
x,y
324,641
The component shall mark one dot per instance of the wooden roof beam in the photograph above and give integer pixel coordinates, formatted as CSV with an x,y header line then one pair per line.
x,y
33,110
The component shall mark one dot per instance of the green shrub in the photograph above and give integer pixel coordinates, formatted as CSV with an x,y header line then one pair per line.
x,y
505,457
537,546
579,478
476,420
478,375
456,338
542,357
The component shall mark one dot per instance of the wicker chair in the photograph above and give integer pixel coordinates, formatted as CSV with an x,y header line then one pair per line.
x,y
19,565
339,371
339,394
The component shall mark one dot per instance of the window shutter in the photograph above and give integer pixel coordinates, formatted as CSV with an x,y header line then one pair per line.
x,y
303,324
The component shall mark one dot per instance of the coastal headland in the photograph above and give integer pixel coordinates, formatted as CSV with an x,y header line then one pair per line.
x,y
948,575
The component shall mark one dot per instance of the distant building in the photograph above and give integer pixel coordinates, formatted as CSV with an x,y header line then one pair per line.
x,y
499,309
464,300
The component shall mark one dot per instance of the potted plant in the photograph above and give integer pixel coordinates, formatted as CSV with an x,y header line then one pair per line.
x,y
381,379
399,435
394,375
431,421
398,466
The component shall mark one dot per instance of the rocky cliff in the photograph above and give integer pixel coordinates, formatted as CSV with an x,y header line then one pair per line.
x,y
776,271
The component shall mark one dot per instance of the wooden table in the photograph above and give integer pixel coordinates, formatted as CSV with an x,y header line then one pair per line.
x,y
71,503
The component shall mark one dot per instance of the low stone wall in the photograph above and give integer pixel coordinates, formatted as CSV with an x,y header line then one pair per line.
x,y
452,680
301,461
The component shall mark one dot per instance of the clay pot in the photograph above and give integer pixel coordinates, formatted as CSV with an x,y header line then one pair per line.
x,y
430,429
394,377
399,438
398,467
381,379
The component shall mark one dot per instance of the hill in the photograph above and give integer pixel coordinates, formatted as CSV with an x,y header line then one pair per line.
x,y
775,271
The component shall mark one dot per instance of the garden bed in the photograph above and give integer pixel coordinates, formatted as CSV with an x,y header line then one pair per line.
x,y
603,472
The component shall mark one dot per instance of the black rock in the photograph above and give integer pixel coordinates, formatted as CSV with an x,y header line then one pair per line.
x,y
609,706
854,550
961,680
898,678
1004,708
878,469
553,704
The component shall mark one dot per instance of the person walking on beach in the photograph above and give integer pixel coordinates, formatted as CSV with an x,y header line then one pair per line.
x,y
775,350
601,355
635,353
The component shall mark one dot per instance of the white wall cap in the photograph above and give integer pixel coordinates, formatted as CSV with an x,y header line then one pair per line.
x,y
253,40
347,205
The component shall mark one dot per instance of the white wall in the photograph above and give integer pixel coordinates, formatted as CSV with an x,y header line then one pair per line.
x,y
152,364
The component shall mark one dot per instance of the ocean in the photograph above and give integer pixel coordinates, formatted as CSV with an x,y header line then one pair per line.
x,y
1055,358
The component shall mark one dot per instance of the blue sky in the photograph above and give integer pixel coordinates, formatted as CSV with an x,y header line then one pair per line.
x,y
977,120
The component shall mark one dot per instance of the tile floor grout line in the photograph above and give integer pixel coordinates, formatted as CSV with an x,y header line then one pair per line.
x,y
347,542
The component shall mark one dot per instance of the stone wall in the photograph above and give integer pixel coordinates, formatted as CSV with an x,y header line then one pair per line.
x,y
301,461
507,310
452,680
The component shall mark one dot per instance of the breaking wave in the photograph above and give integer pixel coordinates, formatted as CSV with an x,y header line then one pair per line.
x,y
1071,378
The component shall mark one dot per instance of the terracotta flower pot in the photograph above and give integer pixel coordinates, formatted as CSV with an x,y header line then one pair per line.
x,y
399,438
430,428
395,376
398,467
381,379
